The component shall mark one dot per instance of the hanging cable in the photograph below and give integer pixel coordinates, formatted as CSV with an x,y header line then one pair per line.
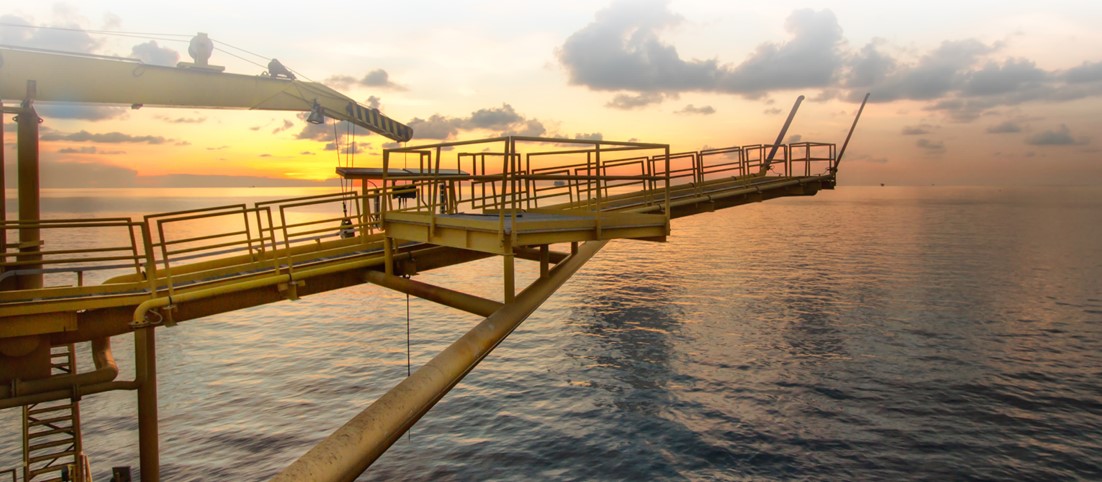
x,y
409,365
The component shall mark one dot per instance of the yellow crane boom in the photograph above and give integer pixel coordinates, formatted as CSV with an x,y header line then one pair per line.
x,y
112,80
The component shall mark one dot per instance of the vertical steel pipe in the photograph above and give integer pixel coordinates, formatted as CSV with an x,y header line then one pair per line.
x,y
145,351
346,453
29,235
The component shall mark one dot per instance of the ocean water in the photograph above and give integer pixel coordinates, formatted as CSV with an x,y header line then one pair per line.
x,y
867,333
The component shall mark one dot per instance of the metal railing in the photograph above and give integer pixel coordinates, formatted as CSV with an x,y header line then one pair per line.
x,y
168,250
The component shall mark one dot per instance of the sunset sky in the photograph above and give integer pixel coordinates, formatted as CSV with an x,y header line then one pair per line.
x,y
976,92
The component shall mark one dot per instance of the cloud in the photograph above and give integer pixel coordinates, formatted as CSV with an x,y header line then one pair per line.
x,y
106,138
1008,127
87,150
151,53
530,128
494,118
1013,75
811,58
1058,137
287,125
1088,72
504,120
622,50
21,32
188,120
435,127
374,102
694,110
377,78
919,130
631,102
592,136
932,147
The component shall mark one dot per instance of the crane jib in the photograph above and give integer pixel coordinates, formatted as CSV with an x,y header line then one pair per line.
x,y
376,121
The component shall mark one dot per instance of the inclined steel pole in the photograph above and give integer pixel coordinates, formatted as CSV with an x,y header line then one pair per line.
x,y
347,452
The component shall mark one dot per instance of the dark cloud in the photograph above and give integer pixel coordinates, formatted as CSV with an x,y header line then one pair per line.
x,y
919,130
622,50
1088,72
811,58
494,118
435,127
795,138
936,74
347,149
592,136
504,120
932,147
327,131
630,102
20,32
151,53
1012,76
287,125
88,150
106,138
374,102
529,128
692,109
1008,127
377,78
1058,137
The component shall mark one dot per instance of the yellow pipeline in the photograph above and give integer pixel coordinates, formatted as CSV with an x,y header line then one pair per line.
x,y
346,453
142,309
105,372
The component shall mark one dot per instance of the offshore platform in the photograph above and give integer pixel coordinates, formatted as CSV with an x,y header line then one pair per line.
x,y
555,202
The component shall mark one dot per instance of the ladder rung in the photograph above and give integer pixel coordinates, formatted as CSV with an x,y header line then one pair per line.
x,y
44,433
34,422
36,411
53,456
45,470
55,443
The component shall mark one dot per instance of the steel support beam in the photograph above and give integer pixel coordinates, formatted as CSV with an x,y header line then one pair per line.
x,y
444,296
346,453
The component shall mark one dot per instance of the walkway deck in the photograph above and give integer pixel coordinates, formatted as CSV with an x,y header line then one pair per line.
x,y
172,267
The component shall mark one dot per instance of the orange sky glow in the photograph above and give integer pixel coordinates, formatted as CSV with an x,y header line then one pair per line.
x,y
982,96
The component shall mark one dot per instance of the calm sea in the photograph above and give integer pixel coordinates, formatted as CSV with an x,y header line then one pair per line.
x,y
868,333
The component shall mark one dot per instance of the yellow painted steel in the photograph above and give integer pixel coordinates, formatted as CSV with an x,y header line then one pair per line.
x,y
131,82
224,270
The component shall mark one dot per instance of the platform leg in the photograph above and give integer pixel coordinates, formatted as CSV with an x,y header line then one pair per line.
x,y
510,278
148,439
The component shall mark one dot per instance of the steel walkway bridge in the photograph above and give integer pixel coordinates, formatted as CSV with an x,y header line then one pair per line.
x,y
555,202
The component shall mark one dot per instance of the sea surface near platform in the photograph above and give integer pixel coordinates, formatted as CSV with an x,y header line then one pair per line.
x,y
867,333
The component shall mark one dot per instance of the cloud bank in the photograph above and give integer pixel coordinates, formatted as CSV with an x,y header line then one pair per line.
x,y
622,51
